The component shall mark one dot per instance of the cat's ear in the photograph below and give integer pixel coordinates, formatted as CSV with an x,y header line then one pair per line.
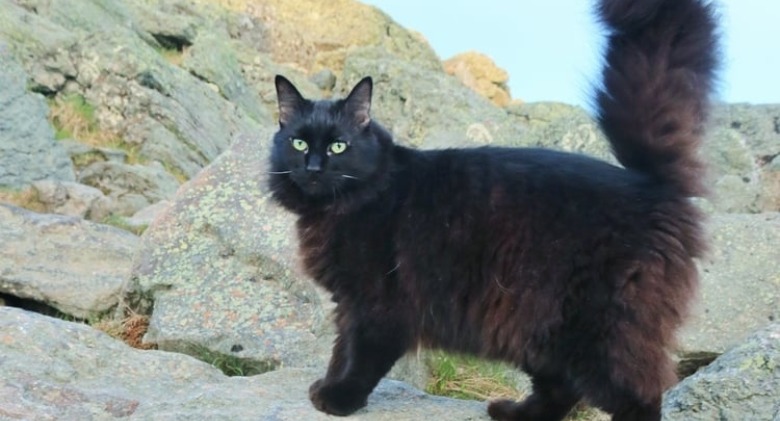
x,y
358,102
290,100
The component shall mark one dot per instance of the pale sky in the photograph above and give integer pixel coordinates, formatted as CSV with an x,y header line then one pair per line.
x,y
551,48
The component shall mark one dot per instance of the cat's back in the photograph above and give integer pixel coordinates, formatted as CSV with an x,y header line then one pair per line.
x,y
482,179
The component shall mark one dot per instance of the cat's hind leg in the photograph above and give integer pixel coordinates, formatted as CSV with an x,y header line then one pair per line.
x,y
551,400
629,384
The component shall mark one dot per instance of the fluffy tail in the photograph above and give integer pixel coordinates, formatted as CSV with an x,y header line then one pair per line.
x,y
658,77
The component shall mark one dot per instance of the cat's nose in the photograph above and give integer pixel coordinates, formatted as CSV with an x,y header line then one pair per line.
x,y
314,164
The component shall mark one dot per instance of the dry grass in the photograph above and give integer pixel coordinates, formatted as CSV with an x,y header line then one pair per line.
x,y
26,198
466,377
72,117
129,330
171,55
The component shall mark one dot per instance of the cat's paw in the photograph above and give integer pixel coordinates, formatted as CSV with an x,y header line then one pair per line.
x,y
503,410
336,399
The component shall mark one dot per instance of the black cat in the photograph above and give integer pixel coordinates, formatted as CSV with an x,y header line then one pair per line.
x,y
575,270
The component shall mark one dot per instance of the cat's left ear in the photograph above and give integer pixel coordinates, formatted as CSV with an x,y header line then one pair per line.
x,y
357,105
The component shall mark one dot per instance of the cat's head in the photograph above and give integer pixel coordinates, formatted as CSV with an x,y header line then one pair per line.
x,y
325,150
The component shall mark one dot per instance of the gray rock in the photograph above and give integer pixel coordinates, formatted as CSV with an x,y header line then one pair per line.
x,y
324,79
147,215
28,151
56,370
111,53
85,154
34,38
741,385
560,126
219,266
740,283
73,265
130,187
743,142
425,107
155,105
212,59
72,199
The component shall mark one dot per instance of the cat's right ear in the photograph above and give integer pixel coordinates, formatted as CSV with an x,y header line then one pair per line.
x,y
290,100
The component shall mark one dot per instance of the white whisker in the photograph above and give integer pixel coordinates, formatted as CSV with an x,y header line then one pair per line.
x,y
279,172
350,176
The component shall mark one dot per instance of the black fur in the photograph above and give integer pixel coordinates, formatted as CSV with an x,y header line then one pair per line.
x,y
577,271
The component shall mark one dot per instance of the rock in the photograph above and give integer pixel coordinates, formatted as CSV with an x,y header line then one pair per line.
x,y
740,385
83,155
211,59
144,217
72,199
743,142
480,73
740,284
560,126
408,100
122,57
73,265
332,30
57,370
130,187
324,79
28,151
219,266
173,118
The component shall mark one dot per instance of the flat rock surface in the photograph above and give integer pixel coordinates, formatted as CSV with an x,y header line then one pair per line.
x,y
57,370
73,265
740,282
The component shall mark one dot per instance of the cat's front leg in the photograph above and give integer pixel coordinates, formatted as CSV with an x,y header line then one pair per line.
x,y
365,350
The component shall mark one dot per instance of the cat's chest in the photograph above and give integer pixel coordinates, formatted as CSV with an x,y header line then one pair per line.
x,y
344,247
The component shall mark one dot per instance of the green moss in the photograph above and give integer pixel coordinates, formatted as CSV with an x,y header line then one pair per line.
x,y
231,365
119,222
177,173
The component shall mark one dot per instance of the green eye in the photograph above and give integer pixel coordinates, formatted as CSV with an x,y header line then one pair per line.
x,y
337,147
299,145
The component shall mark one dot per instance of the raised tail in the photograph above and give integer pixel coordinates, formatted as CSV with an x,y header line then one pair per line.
x,y
658,78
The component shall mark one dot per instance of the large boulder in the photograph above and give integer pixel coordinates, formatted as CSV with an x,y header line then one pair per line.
x,y
219,265
57,370
740,283
742,384
28,151
73,265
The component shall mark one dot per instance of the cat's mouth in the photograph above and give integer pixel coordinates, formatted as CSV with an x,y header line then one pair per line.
x,y
316,184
